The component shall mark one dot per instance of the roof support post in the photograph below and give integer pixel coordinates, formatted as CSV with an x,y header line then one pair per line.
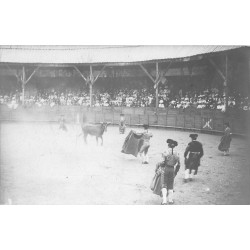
x,y
102,70
217,69
224,77
13,72
143,68
26,81
226,85
165,72
91,82
81,74
155,81
23,80
156,86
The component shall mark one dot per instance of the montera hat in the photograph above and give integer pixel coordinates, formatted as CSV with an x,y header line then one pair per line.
x,y
145,126
193,136
172,143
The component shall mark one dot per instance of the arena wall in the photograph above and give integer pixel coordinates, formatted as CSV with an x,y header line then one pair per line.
x,y
189,119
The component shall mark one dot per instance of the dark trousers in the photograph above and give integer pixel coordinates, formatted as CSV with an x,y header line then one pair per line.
x,y
167,178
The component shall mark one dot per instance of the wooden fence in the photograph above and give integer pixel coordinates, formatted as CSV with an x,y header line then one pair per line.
x,y
194,119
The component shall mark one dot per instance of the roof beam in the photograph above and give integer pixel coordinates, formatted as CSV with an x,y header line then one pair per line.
x,y
12,70
81,74
31,75
163,74
147,73
102,70
217,69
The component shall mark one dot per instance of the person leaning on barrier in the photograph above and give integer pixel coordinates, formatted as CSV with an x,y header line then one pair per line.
x,y
192,155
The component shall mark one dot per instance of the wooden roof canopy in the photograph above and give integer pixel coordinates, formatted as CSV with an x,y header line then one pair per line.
x,y
80,57
105,55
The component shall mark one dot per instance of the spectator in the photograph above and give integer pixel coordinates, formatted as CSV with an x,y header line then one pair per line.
x,y
127,98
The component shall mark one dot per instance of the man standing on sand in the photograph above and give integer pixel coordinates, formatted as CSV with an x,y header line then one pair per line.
x,y
62,125
138,143
166,171
193,154
225,140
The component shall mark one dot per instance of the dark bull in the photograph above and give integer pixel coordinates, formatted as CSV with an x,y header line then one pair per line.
x,y
94,130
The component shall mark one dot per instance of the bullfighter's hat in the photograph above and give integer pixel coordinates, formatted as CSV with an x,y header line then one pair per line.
x,y
145,126
227,124
172,143
193,136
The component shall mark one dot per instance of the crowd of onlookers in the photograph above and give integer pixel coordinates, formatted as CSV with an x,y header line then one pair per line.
x,y
144,97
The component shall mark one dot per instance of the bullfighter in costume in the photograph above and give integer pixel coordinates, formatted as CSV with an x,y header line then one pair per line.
x,y
132,144
225,140
165,172
145,137
62,125
122,126
138,143
193,154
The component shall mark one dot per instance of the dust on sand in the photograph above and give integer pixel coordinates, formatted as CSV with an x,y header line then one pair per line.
x,y
41,165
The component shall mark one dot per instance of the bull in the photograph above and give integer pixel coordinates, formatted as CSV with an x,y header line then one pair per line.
x,y
94,130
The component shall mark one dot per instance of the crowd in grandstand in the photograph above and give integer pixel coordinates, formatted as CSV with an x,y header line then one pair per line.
x,y
209,99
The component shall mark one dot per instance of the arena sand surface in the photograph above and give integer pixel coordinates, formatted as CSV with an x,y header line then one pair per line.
x,y
41,165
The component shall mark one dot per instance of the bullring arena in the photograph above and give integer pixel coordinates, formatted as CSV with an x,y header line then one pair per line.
x,y
41,164
50,167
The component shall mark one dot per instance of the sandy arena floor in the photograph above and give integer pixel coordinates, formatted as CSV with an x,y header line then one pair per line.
x,y
41,165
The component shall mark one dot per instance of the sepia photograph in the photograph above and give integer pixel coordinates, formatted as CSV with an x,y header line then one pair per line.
x,y
124,124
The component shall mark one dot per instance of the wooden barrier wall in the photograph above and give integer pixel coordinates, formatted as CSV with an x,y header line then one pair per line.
x,y
200,119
